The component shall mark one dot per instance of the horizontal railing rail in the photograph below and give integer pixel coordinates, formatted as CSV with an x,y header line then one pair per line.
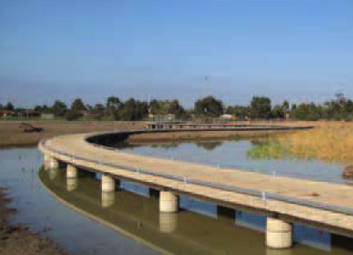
x,y
257,193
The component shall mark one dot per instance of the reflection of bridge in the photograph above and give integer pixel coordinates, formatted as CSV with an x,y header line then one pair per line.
x,y
283,200
169,233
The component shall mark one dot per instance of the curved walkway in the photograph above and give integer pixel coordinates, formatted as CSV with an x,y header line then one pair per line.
x,y
328,206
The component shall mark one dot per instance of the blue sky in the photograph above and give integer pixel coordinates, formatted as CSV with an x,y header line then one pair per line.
x,y
297,50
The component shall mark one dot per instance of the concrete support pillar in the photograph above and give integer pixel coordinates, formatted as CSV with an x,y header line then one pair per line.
x,y
71,171
71,184
46,158
167,222
52,163
108,199
168,202
108,183
278,234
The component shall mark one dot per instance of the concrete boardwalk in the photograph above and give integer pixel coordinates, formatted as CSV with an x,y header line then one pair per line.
x,y
333,196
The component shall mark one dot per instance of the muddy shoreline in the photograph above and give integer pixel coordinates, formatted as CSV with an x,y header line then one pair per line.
x,y
18,239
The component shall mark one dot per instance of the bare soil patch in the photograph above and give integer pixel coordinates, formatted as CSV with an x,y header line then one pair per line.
x,y
11,135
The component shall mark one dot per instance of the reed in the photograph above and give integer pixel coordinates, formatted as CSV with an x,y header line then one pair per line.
x,y
329,142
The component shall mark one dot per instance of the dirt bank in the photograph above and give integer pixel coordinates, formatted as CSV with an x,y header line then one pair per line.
x,y
18,239
11,135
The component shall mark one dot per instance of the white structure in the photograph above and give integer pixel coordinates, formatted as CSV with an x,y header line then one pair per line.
x,y
168,202
278,234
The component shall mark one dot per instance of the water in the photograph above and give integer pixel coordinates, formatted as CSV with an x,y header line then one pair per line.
x,y
82,220
233,154
43,212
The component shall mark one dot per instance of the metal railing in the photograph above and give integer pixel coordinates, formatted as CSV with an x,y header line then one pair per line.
x,y
256,193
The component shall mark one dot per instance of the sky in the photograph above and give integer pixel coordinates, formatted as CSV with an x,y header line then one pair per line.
x,y
287,50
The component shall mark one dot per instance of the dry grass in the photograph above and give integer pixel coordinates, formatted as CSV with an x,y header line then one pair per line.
x,y
11,135
329,141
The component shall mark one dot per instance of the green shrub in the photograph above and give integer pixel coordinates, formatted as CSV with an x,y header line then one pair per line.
x,y
72,115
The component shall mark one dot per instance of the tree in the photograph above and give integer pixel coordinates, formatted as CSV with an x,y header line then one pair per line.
x,y
285,106
239,111
73,115
113,101
9,106
208,106
278,112
99,109
38,108
127,110
59,108
46,109
112,106
260,107
77,105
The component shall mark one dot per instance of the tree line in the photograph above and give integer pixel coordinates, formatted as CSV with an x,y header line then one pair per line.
x,y
260,108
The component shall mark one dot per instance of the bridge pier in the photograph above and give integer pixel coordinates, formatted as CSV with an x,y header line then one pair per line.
x,y
168,202
71,171
278,234
108,183
50,162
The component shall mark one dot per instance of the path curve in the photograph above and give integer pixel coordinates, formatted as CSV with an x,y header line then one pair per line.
x,y
329,206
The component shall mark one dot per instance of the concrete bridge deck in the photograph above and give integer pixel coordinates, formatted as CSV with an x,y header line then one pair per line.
x,y
324,205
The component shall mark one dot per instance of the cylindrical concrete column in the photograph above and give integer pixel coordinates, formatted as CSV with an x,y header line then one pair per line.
x,y
52,163
71,184
168,202
46,158
167,222
108,199
278,234
108,183
71,171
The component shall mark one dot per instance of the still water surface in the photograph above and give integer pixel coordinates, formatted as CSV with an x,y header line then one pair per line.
x,y
81,219
234,155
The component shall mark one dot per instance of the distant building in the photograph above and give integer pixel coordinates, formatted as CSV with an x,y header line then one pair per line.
x,y
7,113
227,116
161,117
31,113
47,116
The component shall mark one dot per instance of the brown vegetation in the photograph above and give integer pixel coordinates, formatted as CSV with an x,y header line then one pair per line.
x,y
329,141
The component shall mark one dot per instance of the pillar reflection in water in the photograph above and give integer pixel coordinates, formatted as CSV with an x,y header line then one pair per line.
x,y
270,251
167,222
53,173
71,184
108,199
71,171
